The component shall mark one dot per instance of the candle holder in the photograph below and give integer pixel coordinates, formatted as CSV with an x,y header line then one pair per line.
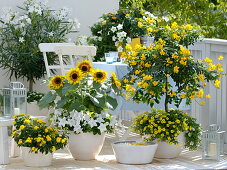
x,y
213,143
14,99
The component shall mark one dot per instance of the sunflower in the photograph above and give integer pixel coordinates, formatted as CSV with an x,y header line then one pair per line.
x,y
85,66
56,82
74,76
99,75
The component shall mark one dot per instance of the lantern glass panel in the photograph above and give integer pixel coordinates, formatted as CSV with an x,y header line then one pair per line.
x,y
19,105
7,107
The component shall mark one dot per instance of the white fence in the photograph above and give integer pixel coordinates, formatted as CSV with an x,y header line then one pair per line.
x,y
215,110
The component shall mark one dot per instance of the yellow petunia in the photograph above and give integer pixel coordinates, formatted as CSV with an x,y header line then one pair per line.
x,y
22,127
176,69
217,83
155,83
200,93
220,58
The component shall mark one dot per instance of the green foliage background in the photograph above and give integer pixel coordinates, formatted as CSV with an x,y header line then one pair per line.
x,y
211,15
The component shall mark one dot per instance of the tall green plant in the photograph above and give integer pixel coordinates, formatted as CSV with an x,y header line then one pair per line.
x,y
210,15
20,35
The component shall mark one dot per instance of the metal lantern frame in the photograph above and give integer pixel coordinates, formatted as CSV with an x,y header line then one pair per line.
x,y
213,141
13,97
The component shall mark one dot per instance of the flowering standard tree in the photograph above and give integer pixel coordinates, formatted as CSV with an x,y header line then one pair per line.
x,y
151,69
20,35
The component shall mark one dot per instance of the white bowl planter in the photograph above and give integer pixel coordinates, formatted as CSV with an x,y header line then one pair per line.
x,y
85,146
134,154
168,151
36,159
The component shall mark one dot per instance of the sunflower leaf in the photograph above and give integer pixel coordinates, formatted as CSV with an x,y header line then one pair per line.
x,y
68,87
111,102
47,99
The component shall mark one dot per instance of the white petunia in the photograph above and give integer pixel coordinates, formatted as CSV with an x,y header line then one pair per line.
x,y
113,29
120,49
92,123
21,39
100,38
62,122
102,127
50,34
120,26
113,38
129,40
100,120
28,20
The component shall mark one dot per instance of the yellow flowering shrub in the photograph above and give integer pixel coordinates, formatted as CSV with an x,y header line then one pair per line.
x,y
35,134
166,126
167,68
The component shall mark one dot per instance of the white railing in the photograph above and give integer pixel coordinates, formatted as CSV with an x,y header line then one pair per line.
x,y
215,110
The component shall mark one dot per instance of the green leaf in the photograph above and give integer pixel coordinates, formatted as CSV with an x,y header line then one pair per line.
x,y
112,102
47,99
61,102
68,87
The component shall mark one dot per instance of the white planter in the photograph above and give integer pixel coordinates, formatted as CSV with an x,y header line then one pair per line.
x,y
85,146
167,151
33,109
36,159
134,154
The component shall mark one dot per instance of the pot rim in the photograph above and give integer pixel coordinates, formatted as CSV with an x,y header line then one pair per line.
x,y
148,144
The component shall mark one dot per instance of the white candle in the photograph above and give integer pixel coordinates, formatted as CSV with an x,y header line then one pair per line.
x,y
16,111
212,149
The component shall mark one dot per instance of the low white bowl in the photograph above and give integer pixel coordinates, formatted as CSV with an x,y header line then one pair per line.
x,y
134,154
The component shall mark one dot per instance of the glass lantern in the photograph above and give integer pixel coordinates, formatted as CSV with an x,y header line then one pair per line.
x,y
14,99
213,143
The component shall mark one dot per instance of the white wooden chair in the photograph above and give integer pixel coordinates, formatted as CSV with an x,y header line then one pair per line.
x,y
66,49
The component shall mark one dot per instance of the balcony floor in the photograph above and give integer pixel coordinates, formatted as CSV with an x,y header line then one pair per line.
x,y
106,160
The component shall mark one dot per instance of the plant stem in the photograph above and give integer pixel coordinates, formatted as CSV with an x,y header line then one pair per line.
x,y
166,96
30,85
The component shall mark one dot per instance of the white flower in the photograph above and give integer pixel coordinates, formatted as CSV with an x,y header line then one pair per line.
x,y
92,123
113,121
62,122
189,134
76,23
129,40
102,127
50,34
113,29
100,38
100,120
121,34
28,20
101,20
120,26
191,143
99,32
69,40
116,44
21,39
120,49
113,38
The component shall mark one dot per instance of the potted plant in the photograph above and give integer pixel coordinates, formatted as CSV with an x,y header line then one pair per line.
x,y
38,141
21,34
166,71
82,98
112,31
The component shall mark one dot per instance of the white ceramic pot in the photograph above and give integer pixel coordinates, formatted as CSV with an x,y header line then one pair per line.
x,y
134,154
34,110
85,146
168,151
36,159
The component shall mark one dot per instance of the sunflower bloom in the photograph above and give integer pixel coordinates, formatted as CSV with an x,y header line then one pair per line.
x,y
99,75
56,82
85,66
74,76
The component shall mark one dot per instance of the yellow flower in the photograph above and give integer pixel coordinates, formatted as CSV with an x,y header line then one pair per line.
x,y
53,148
217,83
155,83
145,85
58,140
35,149
192,97
14,122
147,77
137,71
220,69
208,60
149,30
56,82
202,103
85,66
220,57
128,47
177,121
143,57
46,130
182,96
188,27
74,76
201,77
28,140
211,67
20,142
162,52
172,94
176,37
99,75
176,69
36,127
147,65
208,96
184,51
27,121
174,56
158,46
174,25
22,127
48,138
63,140
139,24
204,84
200,93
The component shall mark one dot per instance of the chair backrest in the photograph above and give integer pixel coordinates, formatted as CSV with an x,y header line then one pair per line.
x,y
65,49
